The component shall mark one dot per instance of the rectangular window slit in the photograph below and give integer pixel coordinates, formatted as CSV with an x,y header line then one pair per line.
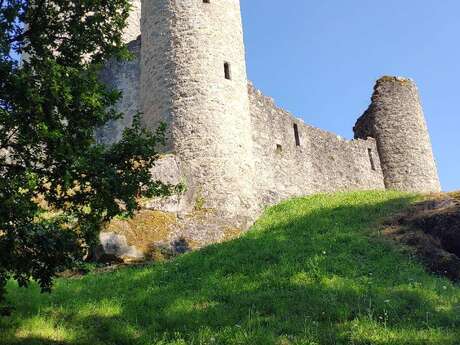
x,y
296,134
227,70
371,159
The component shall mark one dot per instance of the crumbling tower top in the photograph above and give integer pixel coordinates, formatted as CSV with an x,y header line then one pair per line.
x,y
396,120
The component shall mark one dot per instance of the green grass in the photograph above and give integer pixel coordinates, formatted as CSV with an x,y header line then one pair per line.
x,y
311,271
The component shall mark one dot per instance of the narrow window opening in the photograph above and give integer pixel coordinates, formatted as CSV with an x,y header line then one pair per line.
x,y
227,70
206,1
296,134
279,148
371,159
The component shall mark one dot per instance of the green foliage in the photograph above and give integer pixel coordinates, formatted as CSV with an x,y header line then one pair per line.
x,y
311,271
50,107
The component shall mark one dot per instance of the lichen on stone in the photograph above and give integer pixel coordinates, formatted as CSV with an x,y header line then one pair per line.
x,y
393,79
145,228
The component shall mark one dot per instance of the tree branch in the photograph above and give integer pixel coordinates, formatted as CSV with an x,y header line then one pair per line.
x,y
6,143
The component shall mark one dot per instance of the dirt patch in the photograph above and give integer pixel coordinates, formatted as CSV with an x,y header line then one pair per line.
x,y
432,229
455,195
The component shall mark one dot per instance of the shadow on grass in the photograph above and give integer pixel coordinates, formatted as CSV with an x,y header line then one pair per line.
x,y
304,275
38,341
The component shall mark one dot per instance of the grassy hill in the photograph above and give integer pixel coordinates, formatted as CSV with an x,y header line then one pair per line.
x,y
312,271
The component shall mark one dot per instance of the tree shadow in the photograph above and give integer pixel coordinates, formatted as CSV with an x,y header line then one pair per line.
x,y
36,341
304,276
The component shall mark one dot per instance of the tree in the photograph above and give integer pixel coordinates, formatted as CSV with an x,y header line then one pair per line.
x,y
57,185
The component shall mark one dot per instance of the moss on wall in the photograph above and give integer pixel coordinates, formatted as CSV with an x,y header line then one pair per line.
x,y
145,229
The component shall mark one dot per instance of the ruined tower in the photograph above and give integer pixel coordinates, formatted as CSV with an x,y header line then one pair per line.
x,y
396,120
193,78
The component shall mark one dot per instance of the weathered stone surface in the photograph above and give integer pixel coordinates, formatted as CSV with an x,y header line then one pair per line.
x,y
185,45
133,28
396,120
123,76
168,170
117,245
170,234
320,162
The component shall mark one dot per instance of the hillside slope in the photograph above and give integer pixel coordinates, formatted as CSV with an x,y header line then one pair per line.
x,y
311,271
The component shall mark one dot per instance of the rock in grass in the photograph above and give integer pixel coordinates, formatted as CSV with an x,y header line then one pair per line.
x,y
117,245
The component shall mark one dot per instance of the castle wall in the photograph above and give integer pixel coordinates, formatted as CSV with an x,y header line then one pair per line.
x,y
184,47
323,162
133,24
123,76
396,120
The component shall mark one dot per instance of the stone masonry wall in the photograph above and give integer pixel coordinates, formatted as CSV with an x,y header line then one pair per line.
x,y
185,45
396,120
125,77
133,26
323,162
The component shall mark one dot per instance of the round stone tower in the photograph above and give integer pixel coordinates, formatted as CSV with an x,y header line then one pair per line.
x,y
396,120
193,78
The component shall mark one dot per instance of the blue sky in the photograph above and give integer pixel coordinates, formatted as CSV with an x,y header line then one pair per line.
x,y
320,60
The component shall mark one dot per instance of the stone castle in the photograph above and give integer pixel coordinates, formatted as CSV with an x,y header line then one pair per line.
x,y
232,147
